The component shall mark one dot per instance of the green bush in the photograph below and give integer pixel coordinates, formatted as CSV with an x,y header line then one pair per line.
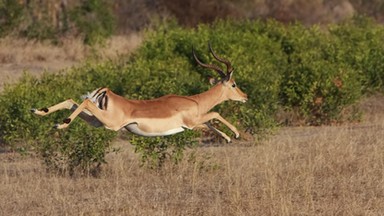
x,y
361,45
155,151
81,147
315,81
10,16
93,20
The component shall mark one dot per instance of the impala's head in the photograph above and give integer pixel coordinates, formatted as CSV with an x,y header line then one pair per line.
x,y
231,90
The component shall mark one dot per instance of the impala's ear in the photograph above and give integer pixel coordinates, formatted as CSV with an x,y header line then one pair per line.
x,y
212,80
228,76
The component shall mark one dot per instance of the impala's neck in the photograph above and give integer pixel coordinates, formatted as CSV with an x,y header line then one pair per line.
x,y
209,99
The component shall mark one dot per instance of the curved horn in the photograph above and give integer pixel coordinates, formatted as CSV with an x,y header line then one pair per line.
x,y
222,60
214,67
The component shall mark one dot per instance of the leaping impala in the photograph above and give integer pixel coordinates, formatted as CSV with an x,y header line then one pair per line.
x,y
169,114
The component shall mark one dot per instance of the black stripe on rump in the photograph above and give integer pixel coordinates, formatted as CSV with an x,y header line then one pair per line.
x,y
98,90
102,100
105,102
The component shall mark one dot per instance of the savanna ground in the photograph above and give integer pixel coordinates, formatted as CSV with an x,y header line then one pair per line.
x,y
20,55
328,170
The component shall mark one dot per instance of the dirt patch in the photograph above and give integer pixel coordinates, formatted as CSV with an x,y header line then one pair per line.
x,y
19,55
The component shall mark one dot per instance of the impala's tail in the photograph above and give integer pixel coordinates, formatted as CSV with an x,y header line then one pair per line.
x,y
98,97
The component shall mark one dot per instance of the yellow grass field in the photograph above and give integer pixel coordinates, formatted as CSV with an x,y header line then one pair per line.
x,y
328,170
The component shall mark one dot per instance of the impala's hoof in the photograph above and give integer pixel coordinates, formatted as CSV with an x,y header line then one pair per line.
x,y
227,138
60,126
42,111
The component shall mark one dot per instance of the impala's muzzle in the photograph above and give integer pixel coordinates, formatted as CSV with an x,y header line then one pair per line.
x,y
243,96
245,99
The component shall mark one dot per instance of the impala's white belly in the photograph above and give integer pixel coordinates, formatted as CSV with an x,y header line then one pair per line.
x,y
134,128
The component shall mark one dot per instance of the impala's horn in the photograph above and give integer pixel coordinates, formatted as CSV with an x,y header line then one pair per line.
x,y
222,60
210,66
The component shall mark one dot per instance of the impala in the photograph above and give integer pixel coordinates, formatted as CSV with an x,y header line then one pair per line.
x,y
166,115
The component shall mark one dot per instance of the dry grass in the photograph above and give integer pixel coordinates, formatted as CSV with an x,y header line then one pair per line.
x,y
19,55
335,170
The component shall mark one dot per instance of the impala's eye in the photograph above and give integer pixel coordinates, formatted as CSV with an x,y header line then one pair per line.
x,y
234,85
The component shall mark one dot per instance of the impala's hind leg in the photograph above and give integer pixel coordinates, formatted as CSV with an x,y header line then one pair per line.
x,y
89,107
67,104
70,105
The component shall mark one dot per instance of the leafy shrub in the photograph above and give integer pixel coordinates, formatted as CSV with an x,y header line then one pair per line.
x,y
155,151
78,148
361,45
10,16
315,82
94,20
40,30
44,20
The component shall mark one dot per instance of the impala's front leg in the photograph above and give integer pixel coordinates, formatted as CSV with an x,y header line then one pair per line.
x,y
219,132
214,115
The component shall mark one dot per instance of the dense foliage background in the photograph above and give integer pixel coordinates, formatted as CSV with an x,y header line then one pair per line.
x,y
316,73
95,19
